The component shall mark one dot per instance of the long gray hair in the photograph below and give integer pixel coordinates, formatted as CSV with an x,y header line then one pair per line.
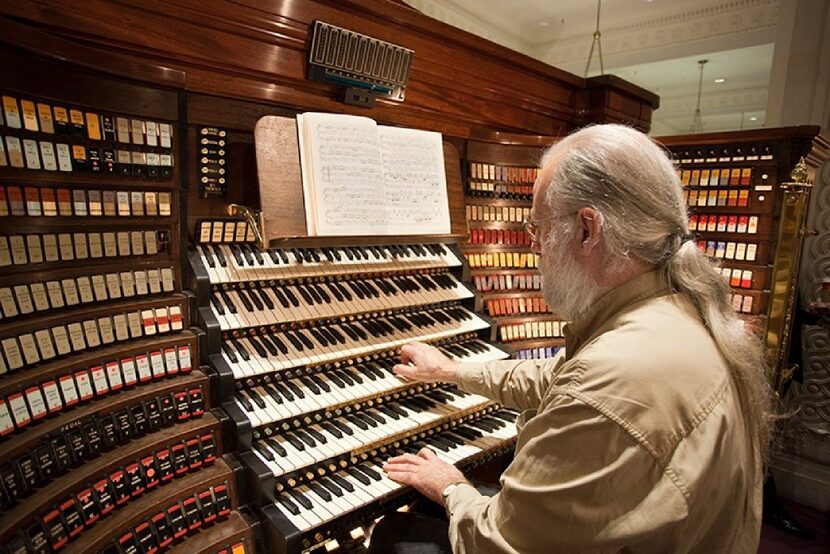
x,y
631,182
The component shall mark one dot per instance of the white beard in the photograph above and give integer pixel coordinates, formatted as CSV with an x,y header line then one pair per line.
x,y
568,289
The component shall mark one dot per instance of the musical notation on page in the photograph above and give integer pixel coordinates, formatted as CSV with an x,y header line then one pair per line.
x,y
360,178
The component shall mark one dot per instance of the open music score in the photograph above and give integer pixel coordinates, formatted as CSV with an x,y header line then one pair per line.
x,y
284,212
360,178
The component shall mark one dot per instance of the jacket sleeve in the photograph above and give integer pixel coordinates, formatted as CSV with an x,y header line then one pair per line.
x,y
579,483
519,384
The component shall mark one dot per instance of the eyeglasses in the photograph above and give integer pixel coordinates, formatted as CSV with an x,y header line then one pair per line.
x,y
531,227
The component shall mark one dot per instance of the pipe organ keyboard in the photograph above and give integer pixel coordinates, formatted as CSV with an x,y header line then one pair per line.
x,y
303,341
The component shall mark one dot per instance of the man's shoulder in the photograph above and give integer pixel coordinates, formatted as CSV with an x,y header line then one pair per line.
x,y
654,368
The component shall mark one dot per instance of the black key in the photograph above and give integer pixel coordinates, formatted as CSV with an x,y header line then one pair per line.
x,y
304,338
344,377
291,297
293,340
304,294
357,422
244,401
298,392
320,382
303,436
217,305
226,299
229,353
320,491
302,500
436,444
288,505
347,486
391,413
265,452
281,297
318,436
331,429
220,256
317,334
272,390
276,447
269,346
369,471
331,486
355,376
342,426
294,441
264,298
343,290
243,297
312,290
277,342
376,416
208,257
252,340
237,255
339,338
359,475
284,391
312,386
336,380
335,291
257,400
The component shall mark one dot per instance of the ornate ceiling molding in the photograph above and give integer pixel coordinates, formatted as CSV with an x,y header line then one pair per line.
x,y
723,20
744,99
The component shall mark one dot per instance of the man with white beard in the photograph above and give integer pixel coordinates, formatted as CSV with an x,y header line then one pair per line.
x,y
649,432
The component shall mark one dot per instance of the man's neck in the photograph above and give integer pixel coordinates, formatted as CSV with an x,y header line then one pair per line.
x,y
620,274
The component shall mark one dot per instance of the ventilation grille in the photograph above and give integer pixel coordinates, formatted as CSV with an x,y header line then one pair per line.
x,y
351,59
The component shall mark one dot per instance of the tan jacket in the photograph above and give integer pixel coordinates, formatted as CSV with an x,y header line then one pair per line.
x,y
632,441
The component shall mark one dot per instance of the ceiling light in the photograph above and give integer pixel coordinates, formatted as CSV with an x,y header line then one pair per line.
x,y
753,118
720,80
543,24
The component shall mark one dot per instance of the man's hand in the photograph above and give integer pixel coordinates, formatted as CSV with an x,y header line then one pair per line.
x,y
422,362
425,473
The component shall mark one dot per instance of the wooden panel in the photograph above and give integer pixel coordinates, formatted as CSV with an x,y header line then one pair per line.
x,y
257,51
220,537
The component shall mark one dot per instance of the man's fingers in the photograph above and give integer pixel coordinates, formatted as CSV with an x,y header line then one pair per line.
x,y
405,459
427,454
405,477
400,467
405,371
408,352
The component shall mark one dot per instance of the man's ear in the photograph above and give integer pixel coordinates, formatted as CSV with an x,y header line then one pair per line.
x,y
589,226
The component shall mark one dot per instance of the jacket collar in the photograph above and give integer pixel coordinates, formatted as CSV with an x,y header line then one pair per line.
x,y
650,284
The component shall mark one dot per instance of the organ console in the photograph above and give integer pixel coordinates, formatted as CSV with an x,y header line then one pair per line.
x,y
171,379
305,337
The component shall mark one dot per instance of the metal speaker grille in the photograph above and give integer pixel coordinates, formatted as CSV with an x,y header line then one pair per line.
x,y
355,60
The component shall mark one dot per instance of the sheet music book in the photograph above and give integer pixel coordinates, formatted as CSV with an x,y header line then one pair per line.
x,y
361,178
